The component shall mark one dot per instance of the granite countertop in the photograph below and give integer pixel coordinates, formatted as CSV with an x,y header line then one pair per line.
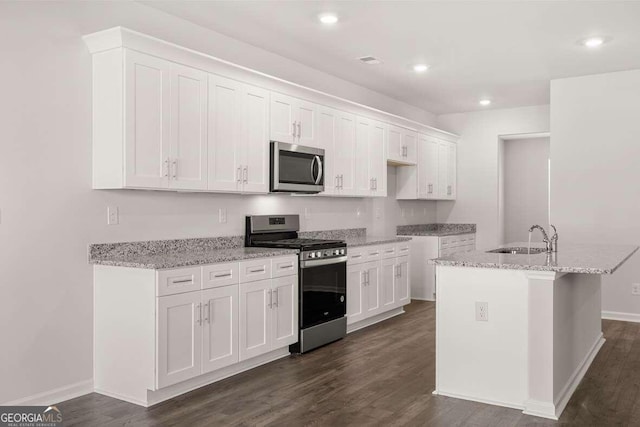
x,y
161,254
437,230
587,259
365,240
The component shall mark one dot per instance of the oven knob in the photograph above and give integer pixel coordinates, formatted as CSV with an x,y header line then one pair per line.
x,y
341,251
318,254
312,255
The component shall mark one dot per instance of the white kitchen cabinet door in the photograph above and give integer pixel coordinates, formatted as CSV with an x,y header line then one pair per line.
x,y
147,125
225,147
282,118
363,179
356,308
443,170
220,327
429,166
327,128
394,143
306,114
255,318
372,289
452,170
410,144
255,139
188,168
402,284
377,159
388,277
179,338
345,154
285,311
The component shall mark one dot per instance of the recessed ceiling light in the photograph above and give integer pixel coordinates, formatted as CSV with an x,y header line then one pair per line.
x,y
420,68
328,18
485,102
594,42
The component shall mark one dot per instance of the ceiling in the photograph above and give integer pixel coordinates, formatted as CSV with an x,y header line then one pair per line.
x,y
507,51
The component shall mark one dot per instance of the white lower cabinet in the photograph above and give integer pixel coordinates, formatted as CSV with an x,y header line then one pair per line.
x,y
268,315
377,281
177,329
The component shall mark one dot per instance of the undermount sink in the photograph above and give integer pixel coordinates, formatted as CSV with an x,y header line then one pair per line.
x,y
517,251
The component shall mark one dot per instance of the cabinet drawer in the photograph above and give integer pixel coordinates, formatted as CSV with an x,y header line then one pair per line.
x,y
287,266
355,255
178,280
389,251
402,249
217,275
253,270
372,253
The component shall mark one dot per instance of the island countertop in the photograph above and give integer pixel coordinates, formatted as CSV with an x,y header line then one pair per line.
x,y
586,259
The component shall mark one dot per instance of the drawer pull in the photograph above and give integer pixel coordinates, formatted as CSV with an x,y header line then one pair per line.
x,y
374,253
389,251
286,267
356,256
182,281
260,270
217,276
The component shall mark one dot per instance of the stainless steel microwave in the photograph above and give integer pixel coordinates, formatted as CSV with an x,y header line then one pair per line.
x,y
296,168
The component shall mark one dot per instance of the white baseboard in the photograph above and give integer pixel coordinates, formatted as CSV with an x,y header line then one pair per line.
x,y
375,319
574,380
540,409
56,395
513,405
423,299
624,317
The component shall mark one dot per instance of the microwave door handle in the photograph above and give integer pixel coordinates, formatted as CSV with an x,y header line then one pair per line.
x,y
318,160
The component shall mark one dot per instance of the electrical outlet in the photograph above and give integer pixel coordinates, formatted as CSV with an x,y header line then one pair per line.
x,y
307,213
482,311
113,215
358,212
222,215
635,289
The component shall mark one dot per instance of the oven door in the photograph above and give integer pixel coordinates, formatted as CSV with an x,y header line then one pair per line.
x,y
323,291
296,168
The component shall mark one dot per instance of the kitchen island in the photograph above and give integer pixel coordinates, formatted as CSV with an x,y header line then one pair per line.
x,y
520,330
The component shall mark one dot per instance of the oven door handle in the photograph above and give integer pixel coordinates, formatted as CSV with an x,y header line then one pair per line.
x,y
320,262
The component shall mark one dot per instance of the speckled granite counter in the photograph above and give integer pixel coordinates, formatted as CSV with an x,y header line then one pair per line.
x,y
588,259
435,229
354,237
161,254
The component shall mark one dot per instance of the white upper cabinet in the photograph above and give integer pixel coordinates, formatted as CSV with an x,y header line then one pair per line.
x,y
188,168
434,177
327,128
345,155
401,145
293,120
371,166
238,136
147,125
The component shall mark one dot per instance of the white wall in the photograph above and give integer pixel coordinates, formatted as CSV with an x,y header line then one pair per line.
x,y
478,164
48,212
595,173
526,187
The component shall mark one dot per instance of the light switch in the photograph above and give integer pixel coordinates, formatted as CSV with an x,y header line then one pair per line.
x,y
113,215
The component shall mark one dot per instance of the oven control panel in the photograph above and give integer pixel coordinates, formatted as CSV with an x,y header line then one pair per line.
x,y
323,253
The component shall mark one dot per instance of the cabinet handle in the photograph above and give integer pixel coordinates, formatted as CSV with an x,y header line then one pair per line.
x,y
206,313
370,183
239,174
299,130
337,180
375,183
294,130
398,270
260,270
356,256
182,281
199,310
175,168
270,299
275,304
245,175
166,168
285,266
217,276
374,253
341,181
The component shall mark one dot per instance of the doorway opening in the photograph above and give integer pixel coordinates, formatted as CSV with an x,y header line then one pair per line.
x,y
523,185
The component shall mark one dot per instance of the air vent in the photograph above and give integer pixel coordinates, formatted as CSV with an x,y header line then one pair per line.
x,y
370,60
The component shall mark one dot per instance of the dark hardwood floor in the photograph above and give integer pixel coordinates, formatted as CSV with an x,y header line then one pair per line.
x,y
382,375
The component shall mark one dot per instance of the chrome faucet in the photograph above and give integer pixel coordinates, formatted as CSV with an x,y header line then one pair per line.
x,y
550,243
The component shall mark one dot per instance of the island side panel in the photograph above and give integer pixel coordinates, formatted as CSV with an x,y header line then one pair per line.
x,y
484,361
578,337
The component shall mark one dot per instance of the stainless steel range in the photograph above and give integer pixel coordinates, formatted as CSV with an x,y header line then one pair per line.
x,y
322,277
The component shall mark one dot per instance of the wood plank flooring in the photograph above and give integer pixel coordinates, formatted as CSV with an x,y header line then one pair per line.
x,y
382,375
